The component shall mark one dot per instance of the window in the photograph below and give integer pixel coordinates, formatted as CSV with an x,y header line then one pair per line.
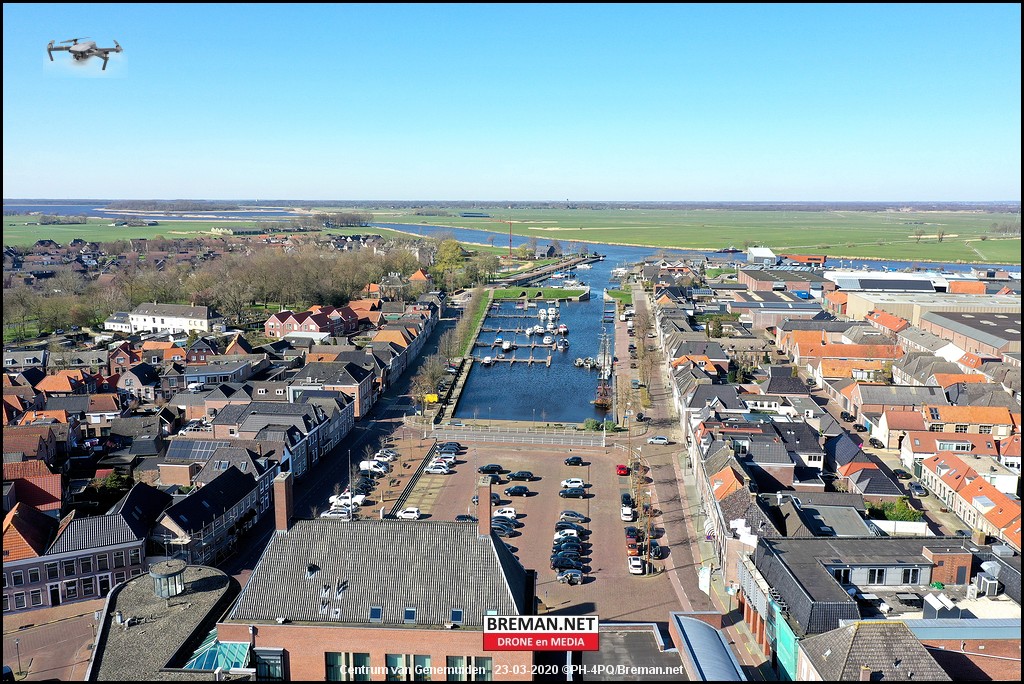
x,y
280,392
347,667
455,668
269,664
71,589
135,557
842,575
960,429
102,562
33,575
119,577
360,667
261,390
7,603
68,567
985,429
172,382
482,669
936,427
409,616
85,564
17,578
421,668
397,666
456,616
911,575
335,667
376,612
19,601
876,576
51,571
35,597
119,559
88,586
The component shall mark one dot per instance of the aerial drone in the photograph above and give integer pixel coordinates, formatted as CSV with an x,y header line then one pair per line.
x,y
82,51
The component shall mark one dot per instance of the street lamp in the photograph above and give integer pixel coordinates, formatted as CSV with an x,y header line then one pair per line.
x,y
17,647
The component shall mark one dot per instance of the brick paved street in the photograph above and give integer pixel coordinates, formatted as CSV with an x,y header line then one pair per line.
x,y
54,643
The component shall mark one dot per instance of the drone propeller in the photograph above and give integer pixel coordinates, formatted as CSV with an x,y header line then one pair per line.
x,y
118,46
73,40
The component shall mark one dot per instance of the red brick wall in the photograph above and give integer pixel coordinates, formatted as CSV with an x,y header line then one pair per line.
x,y
951,562
306,646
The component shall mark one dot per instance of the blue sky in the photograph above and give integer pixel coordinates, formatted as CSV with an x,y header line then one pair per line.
x,y
489,102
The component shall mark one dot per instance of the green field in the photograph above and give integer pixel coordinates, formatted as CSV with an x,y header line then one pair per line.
x,y
840,234
850,234
99,230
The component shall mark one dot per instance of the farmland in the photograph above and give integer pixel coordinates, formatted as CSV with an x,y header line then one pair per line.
x,y
852,234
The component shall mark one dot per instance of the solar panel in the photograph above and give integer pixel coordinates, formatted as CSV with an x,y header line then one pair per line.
x,y
193,449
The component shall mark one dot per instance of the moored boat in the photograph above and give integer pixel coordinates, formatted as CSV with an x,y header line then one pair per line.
x,y
548,339
488,361
563,329
563,344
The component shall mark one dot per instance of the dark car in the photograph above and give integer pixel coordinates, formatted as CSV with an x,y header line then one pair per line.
x,y
901,474
524,475
574,461
655,549
493,468
875,443
573,493
917,490
565,564
633,535
495,499
962,533
371,474
518,490
627,500
569,545
503,531
566,525
847,416
568,555
506,520
859,428
465,518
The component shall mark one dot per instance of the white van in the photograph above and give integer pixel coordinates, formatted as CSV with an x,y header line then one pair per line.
x,y
376,466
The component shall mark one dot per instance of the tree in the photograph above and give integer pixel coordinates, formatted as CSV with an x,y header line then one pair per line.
x,y
449,344
941,233
919,233
715,329
449,257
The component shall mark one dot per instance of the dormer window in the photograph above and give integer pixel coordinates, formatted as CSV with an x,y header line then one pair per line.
x,y
376,613
409,615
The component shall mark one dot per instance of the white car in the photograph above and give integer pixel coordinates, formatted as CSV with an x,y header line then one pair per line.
x,y
342,513
436,469
657,440
626,514
411,513
346,499
636,565
562,535
444,458
573,482
506,512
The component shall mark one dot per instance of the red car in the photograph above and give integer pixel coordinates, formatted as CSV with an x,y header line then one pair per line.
x,y
622,469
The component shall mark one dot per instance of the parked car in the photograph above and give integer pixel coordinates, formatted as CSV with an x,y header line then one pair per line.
x,y
660,439
962,533
573,493
859,428
573,516
573,482
570,577
901,474
570,555
634,384
506,512
451,445
622,469
518,490
627,499
632,550
918,490
846,416
636,565
502,531
465,518
626,514
574,461
642,418
495,499
492,468
561,535
633,535
453,450
507,521
437,469
566,564
875,443
571,544
410,513
524,475
567,525
445,458
339,513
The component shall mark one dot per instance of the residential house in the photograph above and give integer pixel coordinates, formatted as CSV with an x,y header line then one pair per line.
x,y
141,381
984,420
27,442
154,317
349,378
916,447
867,651
35,485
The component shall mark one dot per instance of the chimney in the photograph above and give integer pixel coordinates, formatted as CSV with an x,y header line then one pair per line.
x,y
865,673
483,506
282,502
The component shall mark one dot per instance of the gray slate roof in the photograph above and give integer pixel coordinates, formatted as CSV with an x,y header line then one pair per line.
x,y
902,395
175,310
212,500
129,521
873,482
433,567
887,648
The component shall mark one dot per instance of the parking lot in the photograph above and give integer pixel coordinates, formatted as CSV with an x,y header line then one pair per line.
x,y
608,590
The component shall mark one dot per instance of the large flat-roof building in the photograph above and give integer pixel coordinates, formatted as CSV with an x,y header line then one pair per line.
x,y
983,333
913,305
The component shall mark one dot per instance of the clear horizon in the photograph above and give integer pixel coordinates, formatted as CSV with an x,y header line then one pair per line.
x,y
586,102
